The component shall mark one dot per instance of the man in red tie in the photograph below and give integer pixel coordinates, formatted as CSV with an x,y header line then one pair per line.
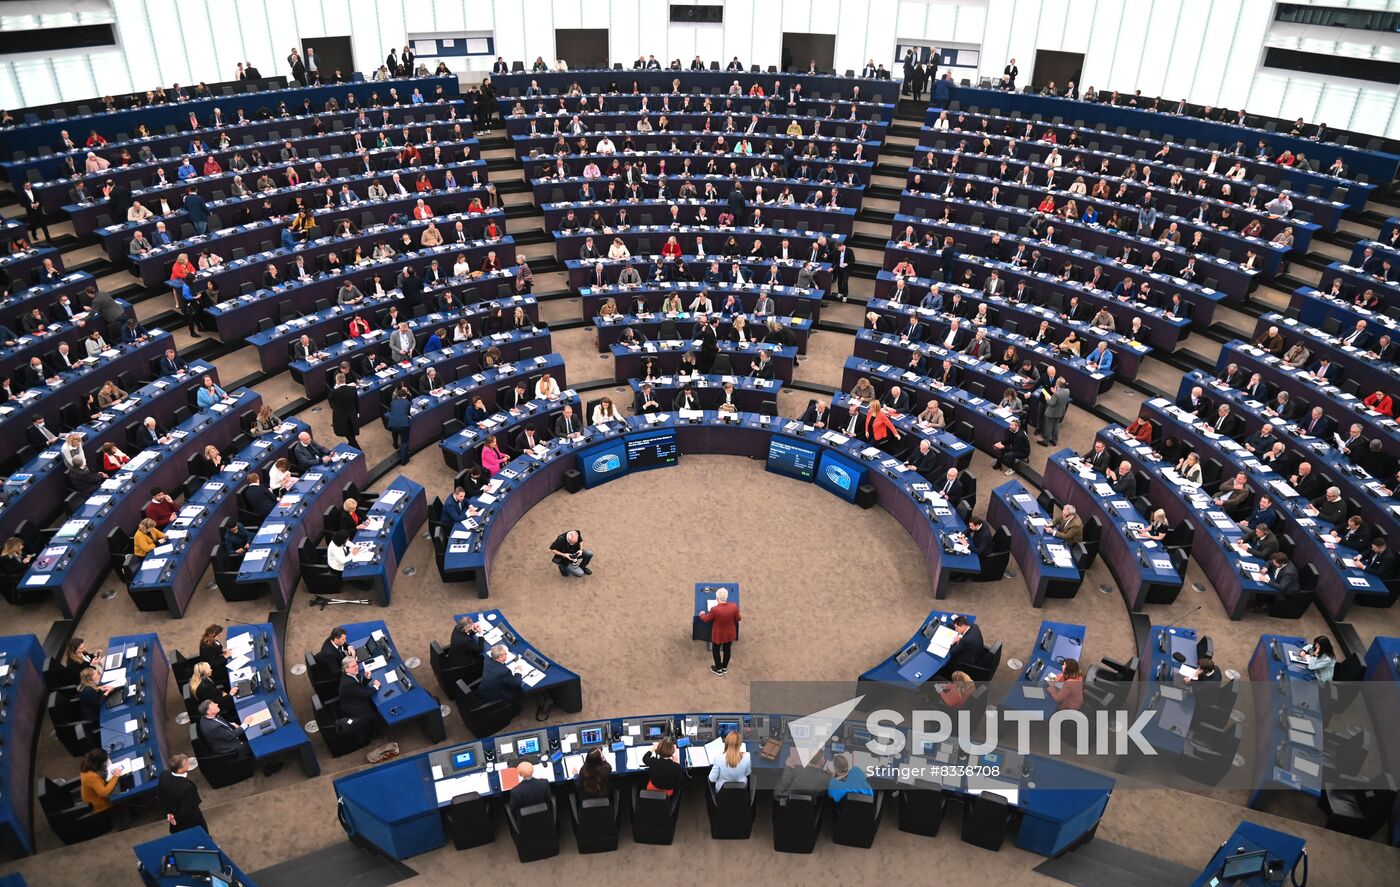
x,y
724,629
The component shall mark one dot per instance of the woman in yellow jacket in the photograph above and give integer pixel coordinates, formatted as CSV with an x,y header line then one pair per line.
x,y
97,782
148,536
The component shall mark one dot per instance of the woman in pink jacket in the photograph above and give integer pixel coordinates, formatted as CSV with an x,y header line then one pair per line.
x,y
492,456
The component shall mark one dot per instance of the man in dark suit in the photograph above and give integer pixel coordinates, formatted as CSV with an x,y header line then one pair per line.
x,y
411,285
1316,424
1098,457
39,434
567,424
333,651
1223,423
179,797
896,399
925,461
498,682
344,400
1380,561
949,375
852,424
980,537
967,649
1014,447
356,701
528,438
529,791
948,256
466,645
257,498
1283,575
219,735
307,454
817,415
912,331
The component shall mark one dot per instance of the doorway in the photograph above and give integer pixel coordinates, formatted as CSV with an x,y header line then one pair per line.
x,y
1052,66
582,47
332,54
799,50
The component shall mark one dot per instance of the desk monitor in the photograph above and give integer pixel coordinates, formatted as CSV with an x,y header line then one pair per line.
x,y
528,745
197,861
840,475
725,727
603,463
1047,639
800,731
653,731
1243,865
464,759
652,449
792,458
591,736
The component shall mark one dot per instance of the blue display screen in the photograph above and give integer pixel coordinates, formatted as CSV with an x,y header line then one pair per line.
x,y
463,759
840,475
603,463
529,746
652,449
591,736
792,458
724,728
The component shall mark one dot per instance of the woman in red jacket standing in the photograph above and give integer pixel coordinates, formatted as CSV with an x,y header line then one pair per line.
x,y
879,429
724,628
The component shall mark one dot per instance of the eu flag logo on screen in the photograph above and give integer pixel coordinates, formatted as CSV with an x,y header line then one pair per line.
x,y
838,476
606,462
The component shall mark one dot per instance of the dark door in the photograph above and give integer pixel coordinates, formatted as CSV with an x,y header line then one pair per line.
x,y
332,54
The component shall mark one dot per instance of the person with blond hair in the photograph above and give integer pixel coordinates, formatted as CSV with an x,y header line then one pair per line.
x,y
735,765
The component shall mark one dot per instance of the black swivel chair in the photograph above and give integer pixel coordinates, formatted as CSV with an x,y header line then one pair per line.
x,y
797,820
220,770
921,810
339,741
535,830
483,718
449,671
856,819
732,810
597,821
1209,754
987,821
654,815
70,817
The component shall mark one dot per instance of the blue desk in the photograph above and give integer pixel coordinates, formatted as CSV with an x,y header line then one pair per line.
x,y
273,560
750,395
22,695
666,354
1357,364
647,240
542,171
1316,308
385,533
398,807
923,657
37,137
1047,564
281,735
596,279
989,422
1288,756
1142,567
1249,838
152,856
463,448
89,375
134,731
700,630
175,568
1233,573
45,344
431,411
1382,693
1163,690
610,329
1377,165
1339,583
538,672
24,297
75,561
401,700
1054,643
953,452
531,477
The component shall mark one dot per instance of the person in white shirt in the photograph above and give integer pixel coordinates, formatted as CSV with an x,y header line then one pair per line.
x,y
619,250
280,477
461,268
942,123
72,450
547,388
340,552
604,412
734,765
605,146
701,304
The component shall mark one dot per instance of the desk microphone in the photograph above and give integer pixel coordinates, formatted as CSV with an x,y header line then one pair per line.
x,y
1176,622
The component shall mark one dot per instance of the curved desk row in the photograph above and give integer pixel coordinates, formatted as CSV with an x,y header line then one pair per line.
x,y
22,694
36,490
1360,365
192,846
596,279
750,395
1233,574
462,448
272,560
169,575
529,478
257,659
639,240
385,532
74,562
1339,583
952,451
647,299
241,316
25,296
1047,564
430,413
538,673
408,806
665,358
923,657
133,729
1145,571
989,423
610,329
